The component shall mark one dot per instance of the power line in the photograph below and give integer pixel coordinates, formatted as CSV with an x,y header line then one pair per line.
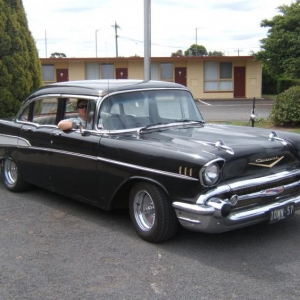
x,y
139,41
185,47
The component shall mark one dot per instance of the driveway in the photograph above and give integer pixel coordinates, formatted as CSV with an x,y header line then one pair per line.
x,y
234,109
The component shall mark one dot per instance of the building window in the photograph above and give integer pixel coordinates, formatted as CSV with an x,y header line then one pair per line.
x,y
218,76
92,71
107,71
48,72
154,71
166,71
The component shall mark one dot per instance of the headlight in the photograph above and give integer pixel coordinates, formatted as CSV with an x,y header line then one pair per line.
x,y
210,174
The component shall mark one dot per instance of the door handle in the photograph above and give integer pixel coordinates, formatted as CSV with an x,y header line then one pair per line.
x,y
27,129
56,133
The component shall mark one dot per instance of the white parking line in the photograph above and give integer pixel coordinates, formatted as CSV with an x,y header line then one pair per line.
x,y
204,102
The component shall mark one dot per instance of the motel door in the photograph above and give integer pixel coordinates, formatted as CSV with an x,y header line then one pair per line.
x,y
121,73
239,82
62,75
180,76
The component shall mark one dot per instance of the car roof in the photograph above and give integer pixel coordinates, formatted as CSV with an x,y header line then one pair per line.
x,y
101,87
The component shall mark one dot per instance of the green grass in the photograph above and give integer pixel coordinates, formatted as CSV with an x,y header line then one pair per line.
x,y
262,123
269,97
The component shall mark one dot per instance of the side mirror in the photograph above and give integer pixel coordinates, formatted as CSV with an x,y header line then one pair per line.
x,y
83,132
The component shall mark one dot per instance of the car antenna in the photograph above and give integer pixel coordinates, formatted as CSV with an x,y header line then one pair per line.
x,y
107,67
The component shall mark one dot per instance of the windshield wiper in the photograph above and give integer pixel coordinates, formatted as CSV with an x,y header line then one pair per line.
x,y
188,120
170,124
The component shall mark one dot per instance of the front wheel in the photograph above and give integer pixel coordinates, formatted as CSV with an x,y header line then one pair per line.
x,y
12,177
151,212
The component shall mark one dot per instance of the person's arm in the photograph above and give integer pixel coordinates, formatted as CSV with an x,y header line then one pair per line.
x,y
67,124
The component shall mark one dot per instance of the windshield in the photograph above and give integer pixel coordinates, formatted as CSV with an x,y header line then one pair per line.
x,y
144,108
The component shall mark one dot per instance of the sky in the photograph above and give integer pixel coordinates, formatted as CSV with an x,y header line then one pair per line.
x,y
81,28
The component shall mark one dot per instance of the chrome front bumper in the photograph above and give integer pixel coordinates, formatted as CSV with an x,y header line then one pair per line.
x,y
211,214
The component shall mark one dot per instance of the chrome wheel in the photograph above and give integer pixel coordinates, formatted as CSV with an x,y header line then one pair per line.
x,y
144,210
10,172
12,177
151,212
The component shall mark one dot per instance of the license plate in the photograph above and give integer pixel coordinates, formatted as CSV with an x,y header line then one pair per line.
x,y
281,213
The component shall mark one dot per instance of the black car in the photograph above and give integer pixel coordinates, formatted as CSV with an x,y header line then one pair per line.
x,y
145,146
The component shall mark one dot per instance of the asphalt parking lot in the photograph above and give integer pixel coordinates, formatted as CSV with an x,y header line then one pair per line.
x,y
52,247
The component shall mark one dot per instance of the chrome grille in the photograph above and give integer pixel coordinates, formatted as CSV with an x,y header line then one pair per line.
x,y
256,195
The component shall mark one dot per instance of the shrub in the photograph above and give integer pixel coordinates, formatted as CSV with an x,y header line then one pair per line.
x,y
285,83
286,108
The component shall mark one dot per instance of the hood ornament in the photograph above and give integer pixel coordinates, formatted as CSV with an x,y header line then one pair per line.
x,y
273,136
221,145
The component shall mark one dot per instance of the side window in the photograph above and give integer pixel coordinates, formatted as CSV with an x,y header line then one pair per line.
x,y
71,108
90,114
44,111
86,113
25,114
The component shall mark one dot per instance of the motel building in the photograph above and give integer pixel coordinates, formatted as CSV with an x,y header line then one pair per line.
x,y
208,77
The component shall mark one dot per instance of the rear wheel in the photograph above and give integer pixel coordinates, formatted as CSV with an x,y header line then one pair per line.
x,y
12,177
151,212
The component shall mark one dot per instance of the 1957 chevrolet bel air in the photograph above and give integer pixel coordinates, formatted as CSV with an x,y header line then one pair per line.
x,y
145,146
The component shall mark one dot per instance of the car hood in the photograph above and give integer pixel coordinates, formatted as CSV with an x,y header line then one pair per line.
x,y
247,151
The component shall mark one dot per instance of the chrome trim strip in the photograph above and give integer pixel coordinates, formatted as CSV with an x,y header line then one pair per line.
x,y
98,158
11,140
95,98
193,208
36,125
264,180
216,191
189,220
44,96
147,169
245,184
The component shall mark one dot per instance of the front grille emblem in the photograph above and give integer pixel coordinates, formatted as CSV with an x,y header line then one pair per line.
x,y
267,162
274,191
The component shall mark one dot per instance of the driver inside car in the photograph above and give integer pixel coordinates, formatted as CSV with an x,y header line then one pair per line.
x,y
74,123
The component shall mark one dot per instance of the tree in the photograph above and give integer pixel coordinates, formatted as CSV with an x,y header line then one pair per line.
x,y
196,50
215,53
178,53
281,48
20,67
57,55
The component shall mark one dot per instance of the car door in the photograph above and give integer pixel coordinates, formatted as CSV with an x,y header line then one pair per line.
x,y
73,162
36,129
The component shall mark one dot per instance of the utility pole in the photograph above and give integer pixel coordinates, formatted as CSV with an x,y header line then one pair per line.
x,y
46,42
116,26
197,40
96,41
147,40
238,51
